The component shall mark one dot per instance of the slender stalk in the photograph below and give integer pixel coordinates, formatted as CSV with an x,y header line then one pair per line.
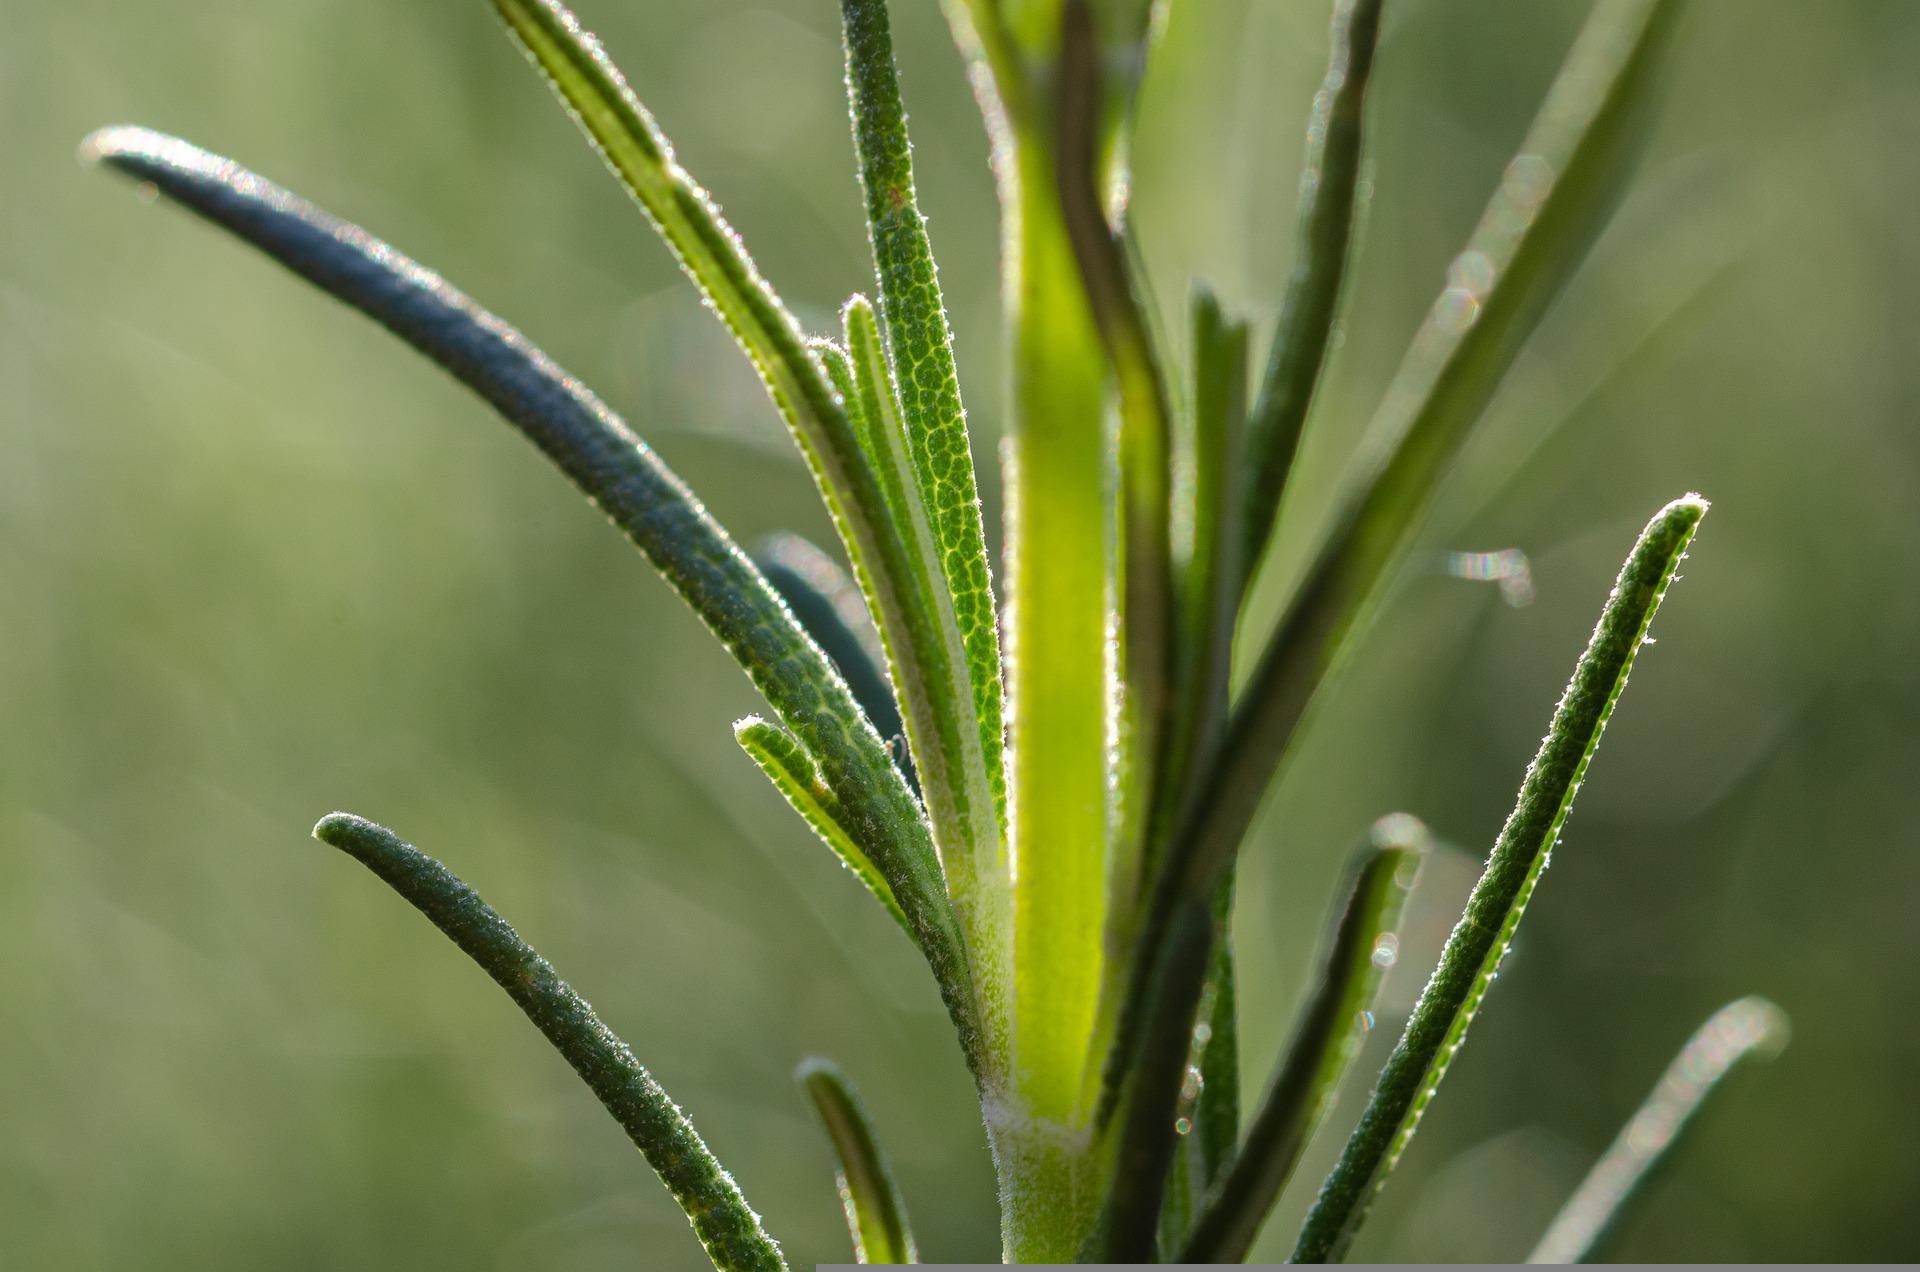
x,y
1059,565
1325,1041
1322,238
725,1224
1750,1028
1083,138
875,1209
1066,706
1473,952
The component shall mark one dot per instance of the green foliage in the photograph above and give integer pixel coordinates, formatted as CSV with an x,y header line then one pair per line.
x,y
1750,1028
726,1225
1474,951
1065,863
876,1212
1359,950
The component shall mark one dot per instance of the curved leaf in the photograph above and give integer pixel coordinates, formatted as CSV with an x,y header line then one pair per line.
x,y
1321,244
593,446
876,1211
1751,1028
1473,952
792,772
1326,1038
726,1225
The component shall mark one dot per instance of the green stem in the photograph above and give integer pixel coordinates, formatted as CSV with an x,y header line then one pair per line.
x,y
1060,564
726,1225
1473,952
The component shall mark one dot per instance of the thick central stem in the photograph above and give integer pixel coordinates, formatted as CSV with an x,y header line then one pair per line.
x,y
1059,462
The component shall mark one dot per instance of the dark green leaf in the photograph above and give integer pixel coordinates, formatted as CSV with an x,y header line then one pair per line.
x,y
726,1225
1473,952
593,446
1321,247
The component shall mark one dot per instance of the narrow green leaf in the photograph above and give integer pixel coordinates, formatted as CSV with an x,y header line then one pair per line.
x,y
1473,952
876,1212
1208,486
949,746
725,1224
683,214
824,424
1326,1038
1321,247
1150,1075
594,448
1750,1028
1217,1039
1209,480
828,604
1552,202
926,657
921,345
792,771
1207,1114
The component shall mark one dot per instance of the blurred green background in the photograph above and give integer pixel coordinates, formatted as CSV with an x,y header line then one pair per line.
x,y
258,562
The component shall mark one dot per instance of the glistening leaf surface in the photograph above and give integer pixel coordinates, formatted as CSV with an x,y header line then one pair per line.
x,y
726,1225
594,448
921,345
792,772
822,423
1473,952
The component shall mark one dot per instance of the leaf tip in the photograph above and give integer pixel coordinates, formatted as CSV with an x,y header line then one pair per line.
x,y
815,1069
351,834
1688,508
122,145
